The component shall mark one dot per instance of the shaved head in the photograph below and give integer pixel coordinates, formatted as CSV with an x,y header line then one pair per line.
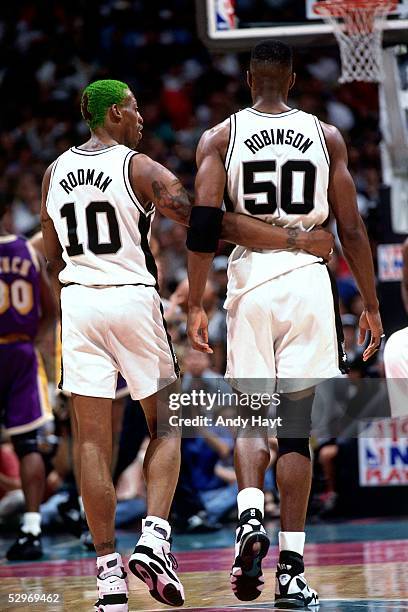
x,y
272,53
271,68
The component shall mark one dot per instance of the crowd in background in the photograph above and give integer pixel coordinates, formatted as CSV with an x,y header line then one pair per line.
x,y
49,51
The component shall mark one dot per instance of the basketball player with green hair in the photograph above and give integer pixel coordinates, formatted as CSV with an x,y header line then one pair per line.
x,y
98,97
98,202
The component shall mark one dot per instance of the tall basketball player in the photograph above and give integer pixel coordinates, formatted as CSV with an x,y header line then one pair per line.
x,y
97,207
396,354
27,311
281,165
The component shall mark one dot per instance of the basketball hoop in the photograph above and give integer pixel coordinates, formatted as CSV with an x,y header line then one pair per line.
x,y
358,26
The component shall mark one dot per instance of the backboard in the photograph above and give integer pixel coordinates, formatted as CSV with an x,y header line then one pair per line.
x,y
394,128
292,21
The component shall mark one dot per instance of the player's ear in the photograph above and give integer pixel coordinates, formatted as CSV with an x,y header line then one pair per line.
x,y
249,79
115,113
292,80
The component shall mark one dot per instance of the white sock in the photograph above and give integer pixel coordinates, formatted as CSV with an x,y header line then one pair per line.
x,y
250,498
150,522
109,565
81,506
292,540
31,523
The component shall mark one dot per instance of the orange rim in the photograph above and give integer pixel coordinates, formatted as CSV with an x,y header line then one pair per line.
x,y
336,8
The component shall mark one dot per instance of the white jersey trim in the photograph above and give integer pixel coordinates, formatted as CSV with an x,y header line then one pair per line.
x,y
54,166
322,139
231,141
34,255
292,111
128,185
8,238
96,152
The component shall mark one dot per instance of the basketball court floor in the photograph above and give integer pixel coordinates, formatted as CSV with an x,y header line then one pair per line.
x,y
356,566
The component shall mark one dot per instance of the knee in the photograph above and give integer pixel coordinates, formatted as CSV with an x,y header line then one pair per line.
x,y
257,449
327,454
295,417
294,445
25,443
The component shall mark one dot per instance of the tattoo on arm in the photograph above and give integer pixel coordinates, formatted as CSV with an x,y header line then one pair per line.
x,y
177,202
103,547
291,241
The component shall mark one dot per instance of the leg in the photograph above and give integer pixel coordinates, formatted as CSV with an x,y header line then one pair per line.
x,y
294,477
72,511
134,431
161,465
294,467
32,469
307,349
118,409
76,455
117,414
94,417
80,526
151,560
250,355
32,473
87,365
25,403
327,458
252,457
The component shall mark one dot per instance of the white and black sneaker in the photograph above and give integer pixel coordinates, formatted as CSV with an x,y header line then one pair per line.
x,y
154,564
112,586
27,547
292,591
251,546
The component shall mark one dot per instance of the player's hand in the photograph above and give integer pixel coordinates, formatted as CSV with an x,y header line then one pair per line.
x,y
370,322
320,242
197,329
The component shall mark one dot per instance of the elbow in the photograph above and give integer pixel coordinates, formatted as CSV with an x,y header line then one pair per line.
x,y
351,235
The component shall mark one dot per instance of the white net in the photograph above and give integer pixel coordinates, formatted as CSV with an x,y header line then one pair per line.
x,y
358,27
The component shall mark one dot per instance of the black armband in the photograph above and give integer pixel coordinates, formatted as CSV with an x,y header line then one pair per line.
x,y
205,229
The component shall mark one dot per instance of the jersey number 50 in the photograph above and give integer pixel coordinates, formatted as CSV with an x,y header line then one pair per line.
x,y
91,211
287,202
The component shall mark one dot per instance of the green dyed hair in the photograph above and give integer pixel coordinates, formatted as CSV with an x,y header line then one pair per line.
x,y
97,97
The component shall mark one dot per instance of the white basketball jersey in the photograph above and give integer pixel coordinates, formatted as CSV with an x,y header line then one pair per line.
x,y
278,171
102,227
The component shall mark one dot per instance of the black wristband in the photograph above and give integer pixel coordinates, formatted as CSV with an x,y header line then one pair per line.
x,y
205,229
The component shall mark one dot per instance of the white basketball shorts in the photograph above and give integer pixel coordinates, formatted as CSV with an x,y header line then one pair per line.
x,y
284,332
106,330
396,370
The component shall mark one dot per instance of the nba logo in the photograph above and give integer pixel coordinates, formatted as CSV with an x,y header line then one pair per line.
x,y
375,455
225,15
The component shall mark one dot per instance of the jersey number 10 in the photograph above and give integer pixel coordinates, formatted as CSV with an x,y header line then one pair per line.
x,y
286,203
91,211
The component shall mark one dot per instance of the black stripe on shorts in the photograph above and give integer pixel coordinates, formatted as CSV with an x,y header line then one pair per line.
x,y
173,354
343,362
